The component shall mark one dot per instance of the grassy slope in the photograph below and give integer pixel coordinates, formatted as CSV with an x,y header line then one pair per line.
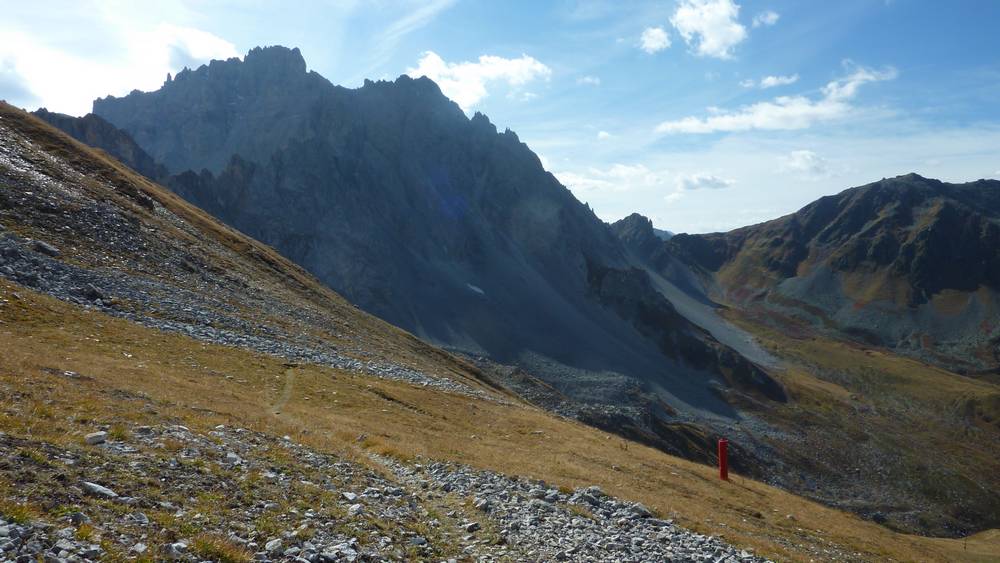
x,y
225,248
201,385
943,428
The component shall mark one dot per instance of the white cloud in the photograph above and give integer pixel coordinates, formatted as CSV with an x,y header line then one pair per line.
x,y
710,27
466,82
805,163
654,39
785,112
65,80
603,135
702,181
772,81
589,80
698,181
673,197
766,18
617,178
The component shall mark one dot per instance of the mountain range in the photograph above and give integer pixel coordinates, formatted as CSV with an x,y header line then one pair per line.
x,y
445,227
433,221
906,263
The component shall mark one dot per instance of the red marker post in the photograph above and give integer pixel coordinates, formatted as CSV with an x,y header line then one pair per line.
x,y
724,459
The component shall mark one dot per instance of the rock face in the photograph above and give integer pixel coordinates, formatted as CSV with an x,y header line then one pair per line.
x,y
429,219
96,132
908,262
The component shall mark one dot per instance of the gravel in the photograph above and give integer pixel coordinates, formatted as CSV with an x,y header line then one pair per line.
x,y
302,507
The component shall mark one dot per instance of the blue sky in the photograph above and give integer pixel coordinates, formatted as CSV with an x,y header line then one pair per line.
x,y
701,114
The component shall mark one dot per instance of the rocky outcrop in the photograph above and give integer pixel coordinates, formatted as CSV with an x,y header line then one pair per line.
x,y
96,132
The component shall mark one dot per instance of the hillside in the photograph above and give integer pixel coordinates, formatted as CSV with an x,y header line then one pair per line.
x,y
611,326
860,419
907,263
235,429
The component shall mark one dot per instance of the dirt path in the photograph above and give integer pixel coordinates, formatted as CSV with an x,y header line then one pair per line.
x,y
286,391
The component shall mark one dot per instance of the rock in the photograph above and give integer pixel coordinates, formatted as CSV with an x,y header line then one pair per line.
x,y
138,548
65,544
173,550
640,511
91,292
140,518
78,518
95,438
273,545
233,459
418,540
45,248
349,497
472,526
355,510
96,490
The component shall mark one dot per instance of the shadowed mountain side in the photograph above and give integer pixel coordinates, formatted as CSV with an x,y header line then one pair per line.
x,y
96,132
427,218
686,290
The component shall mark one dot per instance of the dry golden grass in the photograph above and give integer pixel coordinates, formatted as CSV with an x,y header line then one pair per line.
x,y
216,548
17,512
172,378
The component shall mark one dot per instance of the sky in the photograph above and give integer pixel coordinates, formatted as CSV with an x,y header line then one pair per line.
x,y
704,115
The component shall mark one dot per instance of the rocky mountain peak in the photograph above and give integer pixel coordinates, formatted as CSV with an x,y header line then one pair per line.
x,y
637,232
277,59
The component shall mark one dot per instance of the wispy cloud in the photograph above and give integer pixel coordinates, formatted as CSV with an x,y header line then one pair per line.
x,y
702,181
710,28
385,42
589,80
770,81
785,112
766,18
684,183
805,163
616,178
466,82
